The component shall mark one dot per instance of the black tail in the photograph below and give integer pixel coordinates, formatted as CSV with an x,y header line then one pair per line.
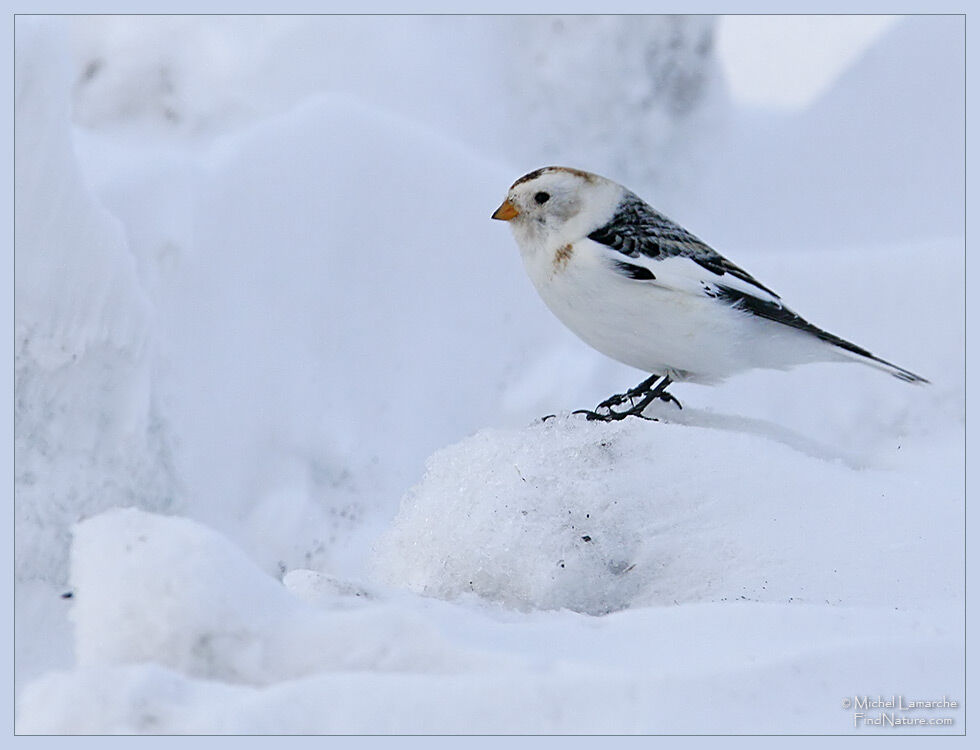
x,y
871,360
777,313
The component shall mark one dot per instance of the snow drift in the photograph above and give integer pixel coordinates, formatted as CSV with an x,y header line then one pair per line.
x,y
358,322
88,432
168,591
595,517
298,297
178,632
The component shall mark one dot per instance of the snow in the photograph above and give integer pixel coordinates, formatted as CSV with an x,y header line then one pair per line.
x,y
893,123
812,52
167,590
177,632
314,386
653,78
597,518
279,382
202,77
87,427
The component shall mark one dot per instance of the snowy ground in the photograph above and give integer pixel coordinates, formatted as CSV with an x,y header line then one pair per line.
x,y
278,380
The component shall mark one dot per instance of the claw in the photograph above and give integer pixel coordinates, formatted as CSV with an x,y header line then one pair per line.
x,y
616,416
645,391
614,400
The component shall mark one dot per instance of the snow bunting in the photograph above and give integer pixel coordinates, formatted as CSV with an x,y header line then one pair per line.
x,y
641,289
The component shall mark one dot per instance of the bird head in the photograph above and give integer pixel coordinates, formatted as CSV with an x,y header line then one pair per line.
x,y
558,204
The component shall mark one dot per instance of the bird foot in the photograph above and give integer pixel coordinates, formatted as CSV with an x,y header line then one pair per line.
x,y
615,400
615,416
639,398
642,390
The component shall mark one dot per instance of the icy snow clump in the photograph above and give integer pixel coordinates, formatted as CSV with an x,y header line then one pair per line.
x,y
598,517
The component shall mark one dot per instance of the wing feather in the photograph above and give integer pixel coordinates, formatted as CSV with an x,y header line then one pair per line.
x,y
664,254
638,231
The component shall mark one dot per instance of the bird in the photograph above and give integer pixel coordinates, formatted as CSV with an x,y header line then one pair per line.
x,y
644,291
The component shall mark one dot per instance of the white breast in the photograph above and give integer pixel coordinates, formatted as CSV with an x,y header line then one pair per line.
x,y
657,326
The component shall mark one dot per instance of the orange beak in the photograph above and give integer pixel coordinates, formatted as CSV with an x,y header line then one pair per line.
x,y
506,212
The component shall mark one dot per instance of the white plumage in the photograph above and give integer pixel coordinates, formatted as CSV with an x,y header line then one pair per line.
x,y
644,291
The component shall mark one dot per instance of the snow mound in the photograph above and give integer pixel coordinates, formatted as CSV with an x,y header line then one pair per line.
x,y
764,668
177,631
601,517
169,591
369,295
88,432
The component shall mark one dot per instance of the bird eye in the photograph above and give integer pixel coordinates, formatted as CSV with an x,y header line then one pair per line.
x,y
541,197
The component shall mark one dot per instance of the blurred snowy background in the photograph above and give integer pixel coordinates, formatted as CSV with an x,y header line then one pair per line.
x,y
260,303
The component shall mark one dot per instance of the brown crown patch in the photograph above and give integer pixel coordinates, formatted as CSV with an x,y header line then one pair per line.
x,y
587,176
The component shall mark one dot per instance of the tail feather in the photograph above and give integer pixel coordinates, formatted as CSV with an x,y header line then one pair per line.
x,y
877,362
775,311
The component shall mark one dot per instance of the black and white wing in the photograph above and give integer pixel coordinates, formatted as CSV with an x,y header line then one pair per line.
x,y
638,231
651,248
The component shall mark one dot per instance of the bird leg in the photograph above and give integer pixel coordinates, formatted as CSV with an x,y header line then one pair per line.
x,y
662,394
619,398
643,391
